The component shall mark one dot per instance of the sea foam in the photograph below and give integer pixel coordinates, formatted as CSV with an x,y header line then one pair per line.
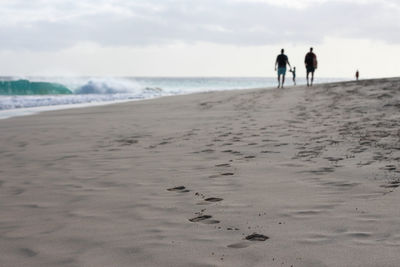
x,y
90,90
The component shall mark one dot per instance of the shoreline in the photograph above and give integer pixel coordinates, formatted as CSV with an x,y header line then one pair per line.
x,y
4,114
19,112
187,180
8,113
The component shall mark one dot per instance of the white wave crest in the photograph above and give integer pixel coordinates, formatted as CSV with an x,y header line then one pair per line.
x,y
109,86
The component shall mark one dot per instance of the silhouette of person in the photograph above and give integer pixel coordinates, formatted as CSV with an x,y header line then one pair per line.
x,y
311,64
294,75
281,61
357,75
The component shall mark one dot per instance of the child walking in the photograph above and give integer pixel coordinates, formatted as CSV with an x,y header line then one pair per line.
x,y
294,75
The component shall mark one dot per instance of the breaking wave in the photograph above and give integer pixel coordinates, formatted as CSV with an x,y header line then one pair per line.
x,y
17,93
27,93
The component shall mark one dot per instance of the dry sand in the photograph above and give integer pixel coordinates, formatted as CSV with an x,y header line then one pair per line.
x,y
314,170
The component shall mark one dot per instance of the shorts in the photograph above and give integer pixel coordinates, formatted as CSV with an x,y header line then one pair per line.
x,y
282,71
310,69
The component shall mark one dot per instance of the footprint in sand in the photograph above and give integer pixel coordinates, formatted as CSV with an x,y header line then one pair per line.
x,y
180,189
223,165
252,237
208,151
210,200
210,222
308,153
27,252
127,141
389,168
339,184
333,159
227,144
281,144
227,173
269,152
239,245
17,191
204,219
268,140
200,218
256,237
320,171
213,199
163,143
222,174
391,184
225,134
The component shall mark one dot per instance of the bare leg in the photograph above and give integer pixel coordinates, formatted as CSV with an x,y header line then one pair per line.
x,y
283,80
312,78
307,78
279,81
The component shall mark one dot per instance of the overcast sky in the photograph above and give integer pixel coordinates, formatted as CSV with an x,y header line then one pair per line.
x,y
197,37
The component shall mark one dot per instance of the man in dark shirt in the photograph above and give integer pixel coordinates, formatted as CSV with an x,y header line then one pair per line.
x,y
311,64
281,61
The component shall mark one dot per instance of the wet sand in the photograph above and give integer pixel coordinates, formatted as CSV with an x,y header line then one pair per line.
x,y
293,177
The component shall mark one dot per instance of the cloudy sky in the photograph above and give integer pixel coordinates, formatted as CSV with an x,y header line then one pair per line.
x,y
197,37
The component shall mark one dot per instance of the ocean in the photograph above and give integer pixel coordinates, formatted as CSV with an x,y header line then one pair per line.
x,y
29,95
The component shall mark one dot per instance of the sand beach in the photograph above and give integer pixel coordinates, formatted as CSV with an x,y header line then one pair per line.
x,y
263,177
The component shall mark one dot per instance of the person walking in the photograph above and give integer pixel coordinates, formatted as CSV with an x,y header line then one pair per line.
x,y
311,64
280,64
357,75
294,75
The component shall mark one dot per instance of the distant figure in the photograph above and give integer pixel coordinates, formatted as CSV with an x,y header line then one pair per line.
x,y
357,75
281,61
294,75
311,64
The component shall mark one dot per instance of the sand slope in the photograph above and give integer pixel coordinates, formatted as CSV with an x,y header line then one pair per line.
x,y
314,171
